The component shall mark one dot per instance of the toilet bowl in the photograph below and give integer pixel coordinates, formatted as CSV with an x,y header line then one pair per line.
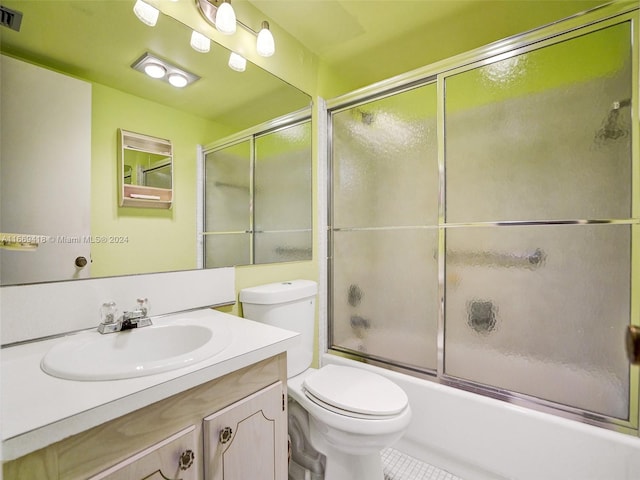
x,y
349,425
352,413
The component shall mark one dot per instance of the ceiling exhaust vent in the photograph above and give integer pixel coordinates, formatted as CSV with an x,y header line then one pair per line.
x,y
10,18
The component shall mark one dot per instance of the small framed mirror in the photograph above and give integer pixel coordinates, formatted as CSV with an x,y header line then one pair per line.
x,y
146,170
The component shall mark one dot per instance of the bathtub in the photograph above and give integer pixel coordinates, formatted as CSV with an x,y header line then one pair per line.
x,y
480,438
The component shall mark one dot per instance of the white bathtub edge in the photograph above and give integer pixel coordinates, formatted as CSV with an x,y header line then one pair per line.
x,y
480,438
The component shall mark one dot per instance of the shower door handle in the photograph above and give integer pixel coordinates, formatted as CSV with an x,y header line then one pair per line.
x,y
633,344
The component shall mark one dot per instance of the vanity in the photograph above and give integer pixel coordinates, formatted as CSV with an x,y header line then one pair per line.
x,y
222,417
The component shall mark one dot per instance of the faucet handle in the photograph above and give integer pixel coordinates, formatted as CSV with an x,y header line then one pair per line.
x,y
143,306
108,313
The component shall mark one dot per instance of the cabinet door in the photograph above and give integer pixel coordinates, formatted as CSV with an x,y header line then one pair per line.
x,y
248,439
173,458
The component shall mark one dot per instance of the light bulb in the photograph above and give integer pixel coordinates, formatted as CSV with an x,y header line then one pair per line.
x,y
237,62
265,44
178,80
155,70
226,19
146,13
200,43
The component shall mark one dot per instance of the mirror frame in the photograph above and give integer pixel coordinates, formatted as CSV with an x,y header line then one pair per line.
x,y
133,195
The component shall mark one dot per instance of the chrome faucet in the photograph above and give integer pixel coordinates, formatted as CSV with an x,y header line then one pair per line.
x,y
134,319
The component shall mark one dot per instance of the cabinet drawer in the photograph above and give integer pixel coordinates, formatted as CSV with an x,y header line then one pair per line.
x,y
175,457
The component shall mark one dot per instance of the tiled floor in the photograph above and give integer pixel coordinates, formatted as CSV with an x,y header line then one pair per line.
x,y
399,466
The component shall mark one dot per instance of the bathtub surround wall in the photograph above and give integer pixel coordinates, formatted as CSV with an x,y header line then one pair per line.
x,y
71,306
482,220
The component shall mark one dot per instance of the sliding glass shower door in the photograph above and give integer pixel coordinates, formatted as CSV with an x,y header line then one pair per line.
x,y
538,198
482,224
385,228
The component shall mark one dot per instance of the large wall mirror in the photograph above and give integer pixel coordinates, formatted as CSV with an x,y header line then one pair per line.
x,y
95,43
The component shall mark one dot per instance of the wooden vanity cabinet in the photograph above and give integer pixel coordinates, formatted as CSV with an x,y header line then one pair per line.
x,y
153,442
248,440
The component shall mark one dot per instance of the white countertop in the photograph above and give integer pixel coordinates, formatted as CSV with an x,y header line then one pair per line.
x,y
38,409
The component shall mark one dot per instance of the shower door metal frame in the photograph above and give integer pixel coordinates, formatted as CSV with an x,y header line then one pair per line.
x,y
577,25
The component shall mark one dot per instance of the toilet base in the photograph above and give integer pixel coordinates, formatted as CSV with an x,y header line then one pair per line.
x,y
353,467
341,465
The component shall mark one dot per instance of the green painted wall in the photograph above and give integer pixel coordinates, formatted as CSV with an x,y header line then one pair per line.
x,y
147,240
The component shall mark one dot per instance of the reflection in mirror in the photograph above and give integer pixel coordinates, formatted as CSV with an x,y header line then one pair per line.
x,y
146,169
146,166
77,40
258,197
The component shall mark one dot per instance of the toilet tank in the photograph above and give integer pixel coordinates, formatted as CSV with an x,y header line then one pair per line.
x,y
289,305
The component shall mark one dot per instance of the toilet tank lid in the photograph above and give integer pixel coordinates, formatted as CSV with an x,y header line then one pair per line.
x,y
279,292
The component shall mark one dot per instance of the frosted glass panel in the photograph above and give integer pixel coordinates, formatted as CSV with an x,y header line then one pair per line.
x,y
283,179
226,250
385,165
541,310
282,246
385,294
227,189
544,135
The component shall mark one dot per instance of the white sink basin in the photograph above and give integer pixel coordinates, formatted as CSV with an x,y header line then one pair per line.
x,y
136,352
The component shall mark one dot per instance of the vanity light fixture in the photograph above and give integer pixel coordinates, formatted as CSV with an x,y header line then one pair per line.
x,y
161,69
237,62
199,42
218,14
146,13
226,18
265,45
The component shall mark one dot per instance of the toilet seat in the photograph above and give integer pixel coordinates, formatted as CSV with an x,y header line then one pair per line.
x,y
355,392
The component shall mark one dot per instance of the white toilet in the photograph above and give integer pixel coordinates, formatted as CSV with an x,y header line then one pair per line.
x,y
352,413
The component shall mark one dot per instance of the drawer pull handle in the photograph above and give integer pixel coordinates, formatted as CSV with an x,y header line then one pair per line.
x,y
186,459
225,435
